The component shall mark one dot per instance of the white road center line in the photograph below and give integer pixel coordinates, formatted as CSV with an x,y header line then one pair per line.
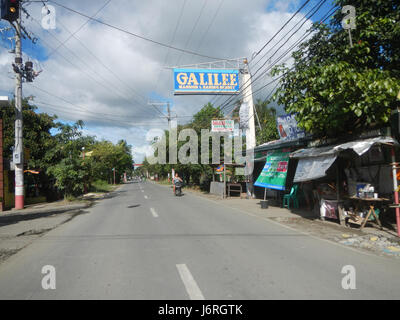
x,y
146,197
154,213
190,284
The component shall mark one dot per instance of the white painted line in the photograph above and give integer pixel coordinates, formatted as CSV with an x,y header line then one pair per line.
x,y
146,197
190,284
154,213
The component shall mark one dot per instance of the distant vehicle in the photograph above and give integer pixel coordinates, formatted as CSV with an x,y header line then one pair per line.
x,y
178,188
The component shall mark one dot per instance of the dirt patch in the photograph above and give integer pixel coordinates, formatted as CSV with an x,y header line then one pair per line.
x,y
33,232
5,254
377,244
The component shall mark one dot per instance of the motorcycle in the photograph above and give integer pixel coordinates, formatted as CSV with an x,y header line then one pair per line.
x,y
178,188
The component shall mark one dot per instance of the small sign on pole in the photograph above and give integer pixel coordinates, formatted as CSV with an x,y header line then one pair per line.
x,y
222,125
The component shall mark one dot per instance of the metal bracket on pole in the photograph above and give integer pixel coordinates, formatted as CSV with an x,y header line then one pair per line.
x,y
236,63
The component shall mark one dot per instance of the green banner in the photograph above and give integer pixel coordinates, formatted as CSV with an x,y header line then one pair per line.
x,y
273,176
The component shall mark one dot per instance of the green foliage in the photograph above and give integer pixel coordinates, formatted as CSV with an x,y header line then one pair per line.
x,y
70,176
105,156
267,117
202,119
101,186
56,151
335,89
199,174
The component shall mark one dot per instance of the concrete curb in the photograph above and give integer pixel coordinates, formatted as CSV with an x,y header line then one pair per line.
x,y
32,212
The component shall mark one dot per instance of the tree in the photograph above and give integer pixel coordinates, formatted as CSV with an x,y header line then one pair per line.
x,y
335,89
106,156
37,139
192,173
68,168
267,117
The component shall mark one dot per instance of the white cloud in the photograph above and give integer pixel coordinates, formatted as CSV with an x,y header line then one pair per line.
x,y
115,107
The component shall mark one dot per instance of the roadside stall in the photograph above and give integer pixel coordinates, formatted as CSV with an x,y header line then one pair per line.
x,y
231,180
352,181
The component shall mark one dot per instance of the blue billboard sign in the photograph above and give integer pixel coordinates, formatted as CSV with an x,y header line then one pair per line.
x,y
288,129
206,81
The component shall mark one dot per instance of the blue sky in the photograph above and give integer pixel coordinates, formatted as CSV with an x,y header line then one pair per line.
x,y
107,78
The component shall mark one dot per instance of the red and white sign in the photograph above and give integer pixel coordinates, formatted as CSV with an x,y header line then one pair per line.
x,y
222,125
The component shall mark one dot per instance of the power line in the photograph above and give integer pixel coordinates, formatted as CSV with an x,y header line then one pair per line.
x,y
210,24
287,40
172,41
78,68
285,24
77,107
80,28
304,18
106,67
274,63
305,35
192,31
268,42
134,34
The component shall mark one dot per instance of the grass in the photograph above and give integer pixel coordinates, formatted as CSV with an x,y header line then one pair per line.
x,y
164,182
101,186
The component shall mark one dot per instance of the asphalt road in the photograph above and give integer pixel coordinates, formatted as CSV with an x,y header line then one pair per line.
x,y
144,243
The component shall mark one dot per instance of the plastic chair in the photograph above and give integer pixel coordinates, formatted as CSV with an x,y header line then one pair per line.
x,y
291,196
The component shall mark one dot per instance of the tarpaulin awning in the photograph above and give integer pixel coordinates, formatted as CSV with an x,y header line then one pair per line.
x,y
359,146
314,162
313,168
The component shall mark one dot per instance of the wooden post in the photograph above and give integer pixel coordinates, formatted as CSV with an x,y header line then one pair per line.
x,y
340,209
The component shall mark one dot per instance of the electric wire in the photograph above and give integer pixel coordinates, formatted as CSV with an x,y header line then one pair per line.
x,y
308,32
192,31
86,73
80,28
134,34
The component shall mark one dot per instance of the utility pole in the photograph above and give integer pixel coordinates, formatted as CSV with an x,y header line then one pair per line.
x,y
169,117
251,128
18,156
11,11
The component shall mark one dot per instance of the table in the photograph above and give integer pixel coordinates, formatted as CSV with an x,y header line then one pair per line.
x,y
371,203
237,185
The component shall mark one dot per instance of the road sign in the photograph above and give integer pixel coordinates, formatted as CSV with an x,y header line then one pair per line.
x,y
206,81
222,125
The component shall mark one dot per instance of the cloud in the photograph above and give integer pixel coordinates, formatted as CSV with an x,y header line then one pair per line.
x,y
106,77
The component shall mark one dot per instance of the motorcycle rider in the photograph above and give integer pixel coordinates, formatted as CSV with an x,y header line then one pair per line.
x,y
176,179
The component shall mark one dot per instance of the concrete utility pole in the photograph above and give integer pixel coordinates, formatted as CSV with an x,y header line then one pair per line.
x,y
18,155
251,128
169,117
